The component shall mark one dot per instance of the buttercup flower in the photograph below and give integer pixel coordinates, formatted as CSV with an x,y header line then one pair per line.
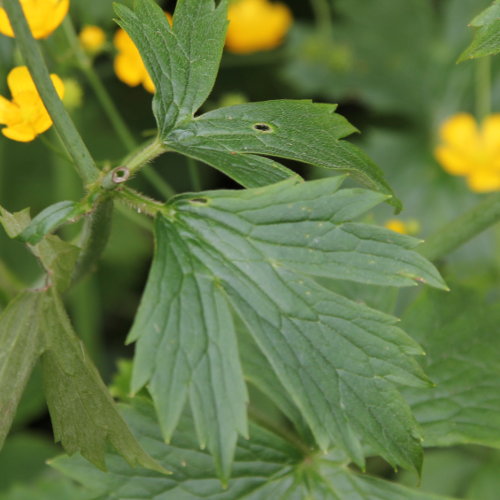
x,y
43,16
25,115
402,227
92,38
256,25
128,64
472,151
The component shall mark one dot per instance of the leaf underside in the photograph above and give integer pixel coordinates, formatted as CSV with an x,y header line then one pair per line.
x,y
251,250
266,467
459,332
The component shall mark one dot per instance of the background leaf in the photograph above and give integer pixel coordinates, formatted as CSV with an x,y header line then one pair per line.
x,y
336,359
265,467
460,334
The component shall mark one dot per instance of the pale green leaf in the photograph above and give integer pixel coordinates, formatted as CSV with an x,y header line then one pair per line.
x,y
183,60
266,467
14,224
50,219
83,414
459,332
336,359
486,40
21,345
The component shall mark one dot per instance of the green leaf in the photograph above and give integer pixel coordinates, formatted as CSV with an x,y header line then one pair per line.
x,y
486,40
83,414
183,61
297,130
335,358
193,333
459,332
57,257
22,344
266,467
50,219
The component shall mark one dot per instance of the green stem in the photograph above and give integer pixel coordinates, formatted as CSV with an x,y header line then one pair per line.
x,y
94,237
139,202
65,127
144,154
109,107
194,174
462,229
483,87
323,17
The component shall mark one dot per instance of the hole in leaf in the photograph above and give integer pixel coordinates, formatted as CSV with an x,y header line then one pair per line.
x,y
262,127
200,201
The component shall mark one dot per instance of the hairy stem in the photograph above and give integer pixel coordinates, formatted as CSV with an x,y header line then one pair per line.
x,y
462,229
65,127
94,237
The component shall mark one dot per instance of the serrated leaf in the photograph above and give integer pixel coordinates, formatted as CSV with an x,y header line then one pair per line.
x,y
266,467
486,40
14,223
297,130
335,358
83,414
21,345
183,60
194,335
459,332
48,220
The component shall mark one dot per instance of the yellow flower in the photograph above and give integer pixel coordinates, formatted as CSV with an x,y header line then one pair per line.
x,y
471,151
128,64
399,226
43,16
92,38
25,115
256,25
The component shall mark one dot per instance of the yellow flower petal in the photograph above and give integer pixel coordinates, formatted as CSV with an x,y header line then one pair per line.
x,y
9,112
127,70
25,116
396,225
256,25
92,38
452,160
43,16
490,132
148,83
19,81
461,132
21,132
484,181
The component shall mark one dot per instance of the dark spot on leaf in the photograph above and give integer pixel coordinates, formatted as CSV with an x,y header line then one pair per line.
x,y
201,201
262,127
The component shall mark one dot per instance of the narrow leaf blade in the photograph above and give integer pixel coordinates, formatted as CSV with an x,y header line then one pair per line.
x,y
83,414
